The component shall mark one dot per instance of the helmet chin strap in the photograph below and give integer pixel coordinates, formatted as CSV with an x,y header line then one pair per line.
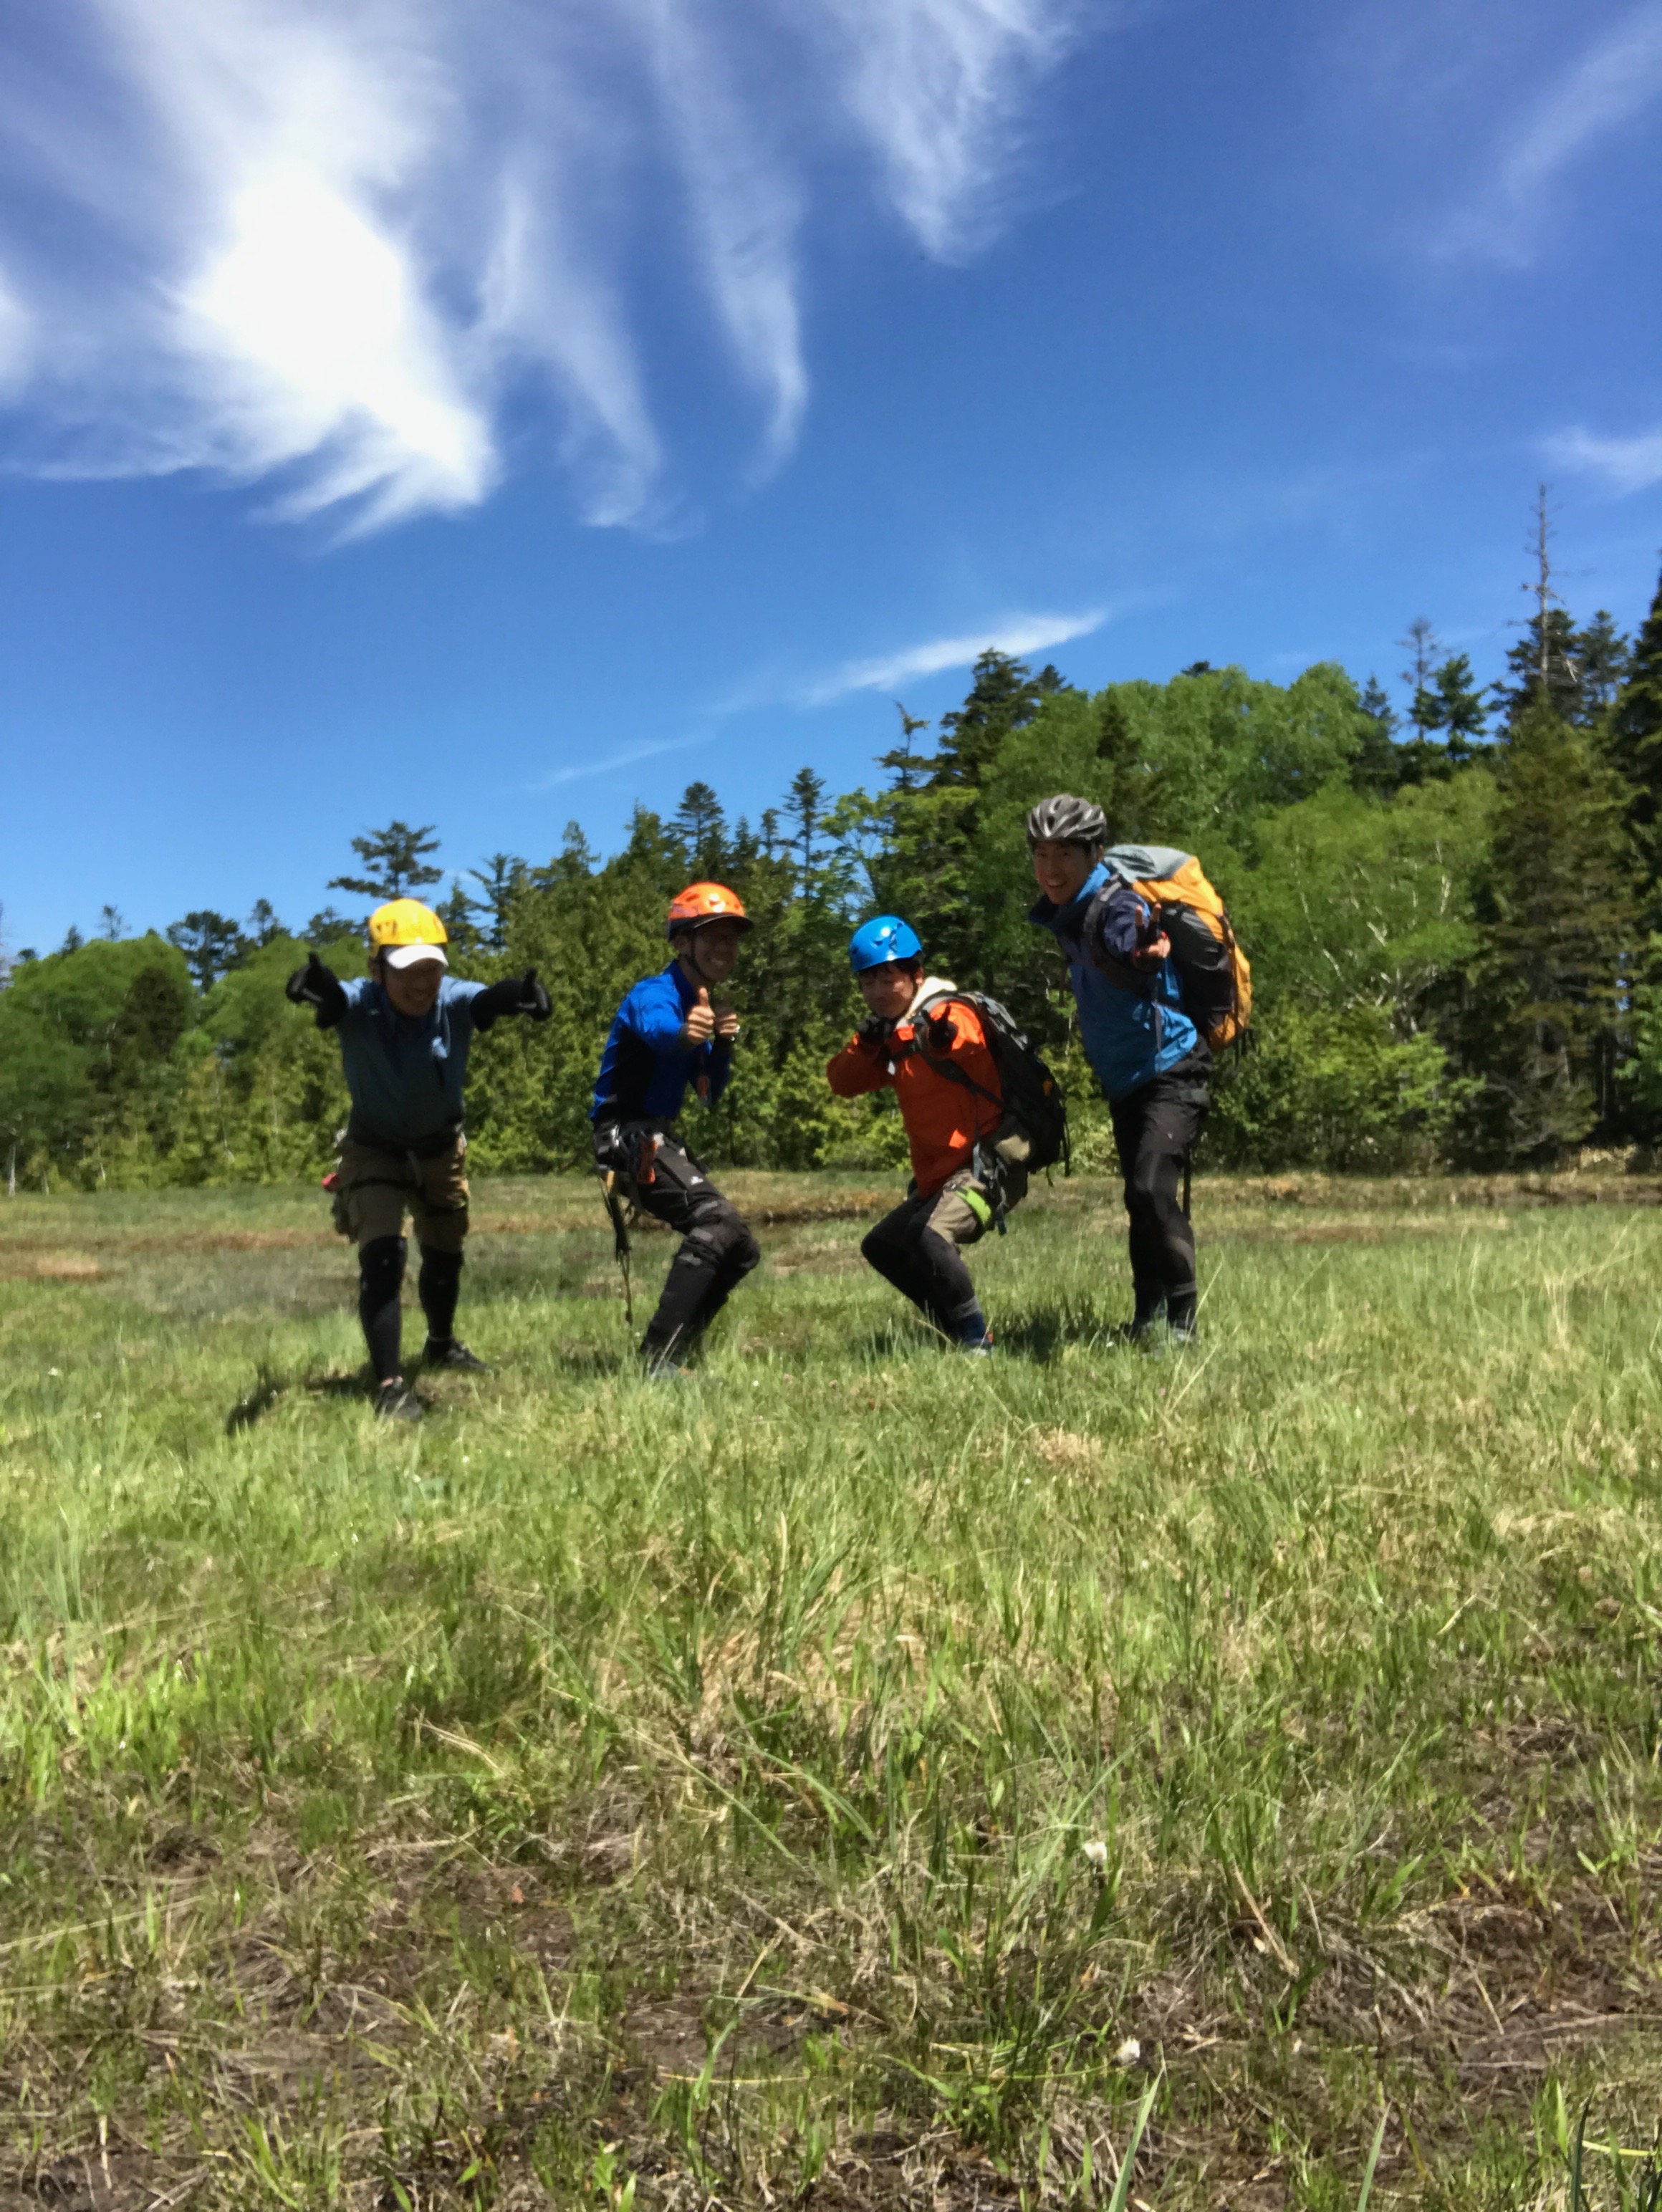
x,y
690,956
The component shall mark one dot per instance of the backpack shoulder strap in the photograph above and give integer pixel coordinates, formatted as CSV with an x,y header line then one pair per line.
x,y
946,1064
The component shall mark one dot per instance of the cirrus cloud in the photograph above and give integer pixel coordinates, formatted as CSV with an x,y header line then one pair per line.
x,y
1017,634
1625,464
327,244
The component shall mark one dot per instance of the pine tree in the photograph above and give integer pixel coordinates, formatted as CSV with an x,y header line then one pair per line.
x,y
1560,939
1376,767
902,763
1132,795
1003,696
1422,646
702,827
932,824
502,877
805,807
1634,737
211,943
1602,654
1544,663
1458,706
395,862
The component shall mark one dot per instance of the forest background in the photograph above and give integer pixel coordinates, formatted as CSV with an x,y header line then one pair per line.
x,y
1454,919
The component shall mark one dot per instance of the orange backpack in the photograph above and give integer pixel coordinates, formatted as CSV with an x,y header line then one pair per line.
x,y
1217,980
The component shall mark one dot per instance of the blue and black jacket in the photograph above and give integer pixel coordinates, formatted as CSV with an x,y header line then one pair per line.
x,y
645,1070
1131,1021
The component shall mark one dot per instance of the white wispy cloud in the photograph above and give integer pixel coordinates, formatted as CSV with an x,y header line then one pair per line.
x,y
1019,635
330,246
1616,77
936,86
577,771
16,339
1625,464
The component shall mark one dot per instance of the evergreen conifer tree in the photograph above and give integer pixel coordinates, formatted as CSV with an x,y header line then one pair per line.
x,y
1459,709
1376,767
932,824
1602,654
395,862
1635,737
702,827
1560,936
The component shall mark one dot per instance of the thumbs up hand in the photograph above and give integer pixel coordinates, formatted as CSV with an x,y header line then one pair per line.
x,y
700,1023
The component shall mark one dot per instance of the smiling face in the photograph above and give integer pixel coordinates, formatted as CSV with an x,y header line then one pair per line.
x,y
412,990
1061,868
890,989
707,954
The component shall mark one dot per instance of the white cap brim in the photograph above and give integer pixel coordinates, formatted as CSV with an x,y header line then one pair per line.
x,y
412,956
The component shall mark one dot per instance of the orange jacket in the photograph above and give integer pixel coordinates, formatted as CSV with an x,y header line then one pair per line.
x,y
943,1118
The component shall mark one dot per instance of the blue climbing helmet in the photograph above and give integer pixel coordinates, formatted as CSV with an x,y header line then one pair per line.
x,y
886,938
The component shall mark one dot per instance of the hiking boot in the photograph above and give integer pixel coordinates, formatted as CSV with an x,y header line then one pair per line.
x,y
452,1355
1182,1313
397,1401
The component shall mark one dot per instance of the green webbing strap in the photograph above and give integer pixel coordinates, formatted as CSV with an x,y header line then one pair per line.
x,y
977,1205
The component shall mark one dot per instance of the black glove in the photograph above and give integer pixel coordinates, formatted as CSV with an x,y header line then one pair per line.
x,y
534,998
317,986
940,1031
514,994
873,1034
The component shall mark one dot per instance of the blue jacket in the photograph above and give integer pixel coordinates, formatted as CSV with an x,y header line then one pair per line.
x,y
1129,1037
406,1075
644,1073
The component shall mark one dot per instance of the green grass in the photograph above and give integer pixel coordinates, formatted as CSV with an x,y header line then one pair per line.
x,y
853,1775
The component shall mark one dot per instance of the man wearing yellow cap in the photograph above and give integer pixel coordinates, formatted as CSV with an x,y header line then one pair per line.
x,y
405,1029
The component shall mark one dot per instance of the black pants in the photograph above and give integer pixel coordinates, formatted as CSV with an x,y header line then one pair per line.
x,y
1154,1127
916,1248
717,1249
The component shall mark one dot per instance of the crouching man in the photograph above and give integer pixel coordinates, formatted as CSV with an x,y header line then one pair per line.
x,y
667,1037
968,1159
404,1033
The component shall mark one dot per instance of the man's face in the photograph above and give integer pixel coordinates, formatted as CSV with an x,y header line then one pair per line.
x,y
1061,868
889,990
710,952
413,989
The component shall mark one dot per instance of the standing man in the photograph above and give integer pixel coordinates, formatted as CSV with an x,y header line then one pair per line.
x,y
969,1159
1145,1050
669,1034
405,1029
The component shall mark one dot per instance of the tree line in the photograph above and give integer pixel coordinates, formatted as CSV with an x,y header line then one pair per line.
x,y
1454,918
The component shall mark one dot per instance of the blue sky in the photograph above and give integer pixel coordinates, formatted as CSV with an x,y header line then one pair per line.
x,y
496,415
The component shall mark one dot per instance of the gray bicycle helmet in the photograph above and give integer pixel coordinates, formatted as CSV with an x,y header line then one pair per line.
x,y
1071,821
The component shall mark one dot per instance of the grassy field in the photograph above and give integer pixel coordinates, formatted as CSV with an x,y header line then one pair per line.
x,y
854,1775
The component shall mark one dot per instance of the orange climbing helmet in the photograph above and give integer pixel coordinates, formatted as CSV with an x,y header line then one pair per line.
x,y
702,902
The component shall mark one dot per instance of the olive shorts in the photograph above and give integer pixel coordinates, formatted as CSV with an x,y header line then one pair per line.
x,y
375,1189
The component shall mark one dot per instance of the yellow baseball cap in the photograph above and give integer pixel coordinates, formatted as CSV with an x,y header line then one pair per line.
x,y
405,933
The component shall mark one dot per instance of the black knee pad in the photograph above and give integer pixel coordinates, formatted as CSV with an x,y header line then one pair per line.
x,y
438,1265
380,1268
721,1237
744,1254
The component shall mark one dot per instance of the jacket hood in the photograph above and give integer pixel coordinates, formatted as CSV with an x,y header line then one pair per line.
x,y
930,988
